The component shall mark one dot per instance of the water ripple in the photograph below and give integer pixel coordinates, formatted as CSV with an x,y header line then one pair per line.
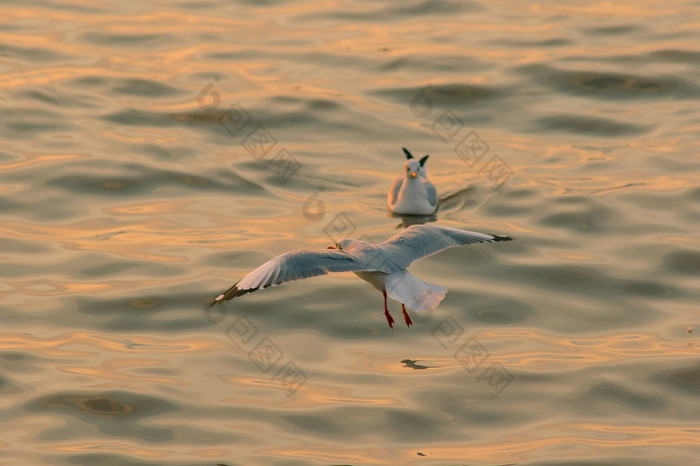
x,y
128,204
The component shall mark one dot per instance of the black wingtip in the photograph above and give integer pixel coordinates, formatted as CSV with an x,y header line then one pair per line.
x,y
409,156
497,238
231,293
221,298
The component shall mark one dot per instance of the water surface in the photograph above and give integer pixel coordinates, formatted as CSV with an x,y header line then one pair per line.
x,y
155,152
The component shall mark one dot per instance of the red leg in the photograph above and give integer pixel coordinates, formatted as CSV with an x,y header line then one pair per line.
x,y
406,317
386,312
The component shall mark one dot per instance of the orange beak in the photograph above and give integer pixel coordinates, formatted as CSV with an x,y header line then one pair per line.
x,y
332,246
413,174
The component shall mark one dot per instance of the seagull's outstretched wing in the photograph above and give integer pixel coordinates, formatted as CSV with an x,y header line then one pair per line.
x,y
418,241
294,265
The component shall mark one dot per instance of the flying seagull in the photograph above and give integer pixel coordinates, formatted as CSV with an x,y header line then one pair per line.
x,y
382,265
412,193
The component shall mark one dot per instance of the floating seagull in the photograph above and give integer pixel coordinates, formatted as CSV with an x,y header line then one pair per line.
x,y
412,193
382,265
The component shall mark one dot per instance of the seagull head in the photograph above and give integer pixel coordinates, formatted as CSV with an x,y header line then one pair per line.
x,y
413,168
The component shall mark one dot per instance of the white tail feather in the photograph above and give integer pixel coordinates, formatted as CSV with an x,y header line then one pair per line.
x,y
415,294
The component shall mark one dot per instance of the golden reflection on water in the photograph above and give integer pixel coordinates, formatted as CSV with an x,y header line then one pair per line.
x,y
543,441
568,353
108,446
328,454
552,352
49,288
314,394
146,241
629,439
55,346
117,370
40,159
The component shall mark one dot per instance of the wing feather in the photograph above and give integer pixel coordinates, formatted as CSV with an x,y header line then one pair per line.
x,y
432,193
393,194
418,241
293,265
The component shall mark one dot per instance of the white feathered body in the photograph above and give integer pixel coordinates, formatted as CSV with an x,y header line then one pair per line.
x,y
412,196
412,193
